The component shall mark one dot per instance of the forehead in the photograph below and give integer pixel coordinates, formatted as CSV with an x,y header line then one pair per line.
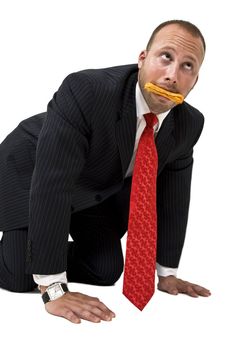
x,y
180,40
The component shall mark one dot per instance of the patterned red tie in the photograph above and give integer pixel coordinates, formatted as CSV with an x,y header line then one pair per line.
x,y
140,261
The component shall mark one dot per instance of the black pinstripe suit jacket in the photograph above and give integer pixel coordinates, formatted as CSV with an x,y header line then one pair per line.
x,y
81,156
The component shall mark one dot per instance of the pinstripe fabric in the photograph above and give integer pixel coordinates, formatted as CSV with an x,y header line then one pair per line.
x,y
12,262
83,152
174,185
95,255
17,158
77,130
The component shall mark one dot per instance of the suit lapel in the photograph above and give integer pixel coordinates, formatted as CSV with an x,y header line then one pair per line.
x,y
165,140
126,130
126,124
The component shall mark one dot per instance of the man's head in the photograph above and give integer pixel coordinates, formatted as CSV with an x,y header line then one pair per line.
x,y
172,60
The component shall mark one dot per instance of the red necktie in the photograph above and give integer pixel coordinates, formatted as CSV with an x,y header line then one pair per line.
x,y
140,261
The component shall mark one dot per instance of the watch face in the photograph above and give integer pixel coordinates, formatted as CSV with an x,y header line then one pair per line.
x,y
55,291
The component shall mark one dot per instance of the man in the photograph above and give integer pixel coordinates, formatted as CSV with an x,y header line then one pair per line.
x,y
70,170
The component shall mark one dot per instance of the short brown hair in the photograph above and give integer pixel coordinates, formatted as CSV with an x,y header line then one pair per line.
x,y
188,26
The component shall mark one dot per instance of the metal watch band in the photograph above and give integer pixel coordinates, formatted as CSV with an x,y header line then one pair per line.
x,y
46,297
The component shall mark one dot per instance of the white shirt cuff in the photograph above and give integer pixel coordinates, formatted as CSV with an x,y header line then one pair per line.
x,y
46,280
164,271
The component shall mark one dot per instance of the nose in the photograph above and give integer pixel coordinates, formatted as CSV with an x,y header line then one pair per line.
x,y
171,74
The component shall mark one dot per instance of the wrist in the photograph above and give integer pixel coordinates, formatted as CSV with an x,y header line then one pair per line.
x,y
161,278
53,291
42,289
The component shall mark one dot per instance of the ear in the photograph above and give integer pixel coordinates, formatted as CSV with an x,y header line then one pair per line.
x,y
141,58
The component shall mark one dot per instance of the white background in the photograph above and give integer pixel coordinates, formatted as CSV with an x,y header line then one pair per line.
x,y
42,42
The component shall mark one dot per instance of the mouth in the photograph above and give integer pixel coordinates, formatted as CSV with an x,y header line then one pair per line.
x,y
172,96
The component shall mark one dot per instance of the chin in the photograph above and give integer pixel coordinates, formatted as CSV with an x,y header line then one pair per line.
x,y
162,108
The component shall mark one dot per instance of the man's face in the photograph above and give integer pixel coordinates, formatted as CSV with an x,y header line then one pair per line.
x,y
172,62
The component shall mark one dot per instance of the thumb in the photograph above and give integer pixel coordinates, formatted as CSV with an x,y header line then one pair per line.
x,y
173,291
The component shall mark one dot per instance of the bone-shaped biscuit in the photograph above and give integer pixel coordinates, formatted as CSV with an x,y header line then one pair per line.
x,y
177,98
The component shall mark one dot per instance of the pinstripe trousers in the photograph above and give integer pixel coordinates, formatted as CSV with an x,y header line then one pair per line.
x,y
94,256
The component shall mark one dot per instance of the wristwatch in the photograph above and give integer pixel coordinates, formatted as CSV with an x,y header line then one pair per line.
x,y
54,291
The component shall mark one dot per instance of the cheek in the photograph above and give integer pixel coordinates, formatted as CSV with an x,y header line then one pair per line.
x,y
188,84
151,74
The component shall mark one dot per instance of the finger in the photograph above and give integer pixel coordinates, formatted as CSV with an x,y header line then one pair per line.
x,y
99,308
193,290
103,307
71,310
105,316
87,309
189,290
91,312
91,300
88,316
83,312
71,316
168,288
172,291
63,312
202,291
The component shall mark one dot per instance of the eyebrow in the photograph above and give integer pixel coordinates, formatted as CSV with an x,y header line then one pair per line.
x,y
170,48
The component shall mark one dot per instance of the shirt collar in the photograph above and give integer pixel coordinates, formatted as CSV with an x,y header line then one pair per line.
x,y
142,107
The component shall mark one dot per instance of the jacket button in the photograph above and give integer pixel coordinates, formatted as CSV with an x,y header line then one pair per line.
x,y
98,197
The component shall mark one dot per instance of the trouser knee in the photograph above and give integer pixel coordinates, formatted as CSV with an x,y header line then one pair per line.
x,y
99,272
110,276
27,286
15,283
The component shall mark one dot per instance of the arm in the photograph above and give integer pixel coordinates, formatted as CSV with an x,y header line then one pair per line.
x,y
60,158
174,186
173,198
173,206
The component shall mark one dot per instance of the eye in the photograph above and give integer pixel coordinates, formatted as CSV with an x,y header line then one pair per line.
x,y
188,66
166,56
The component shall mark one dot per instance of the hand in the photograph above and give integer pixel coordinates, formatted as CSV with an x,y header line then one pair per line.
x,y
174,286
77,306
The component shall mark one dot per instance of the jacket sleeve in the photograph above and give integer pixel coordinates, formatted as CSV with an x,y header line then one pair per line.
x,y
60,157
173,201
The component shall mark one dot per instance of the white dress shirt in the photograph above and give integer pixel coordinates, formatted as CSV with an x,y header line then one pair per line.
x,y
141,109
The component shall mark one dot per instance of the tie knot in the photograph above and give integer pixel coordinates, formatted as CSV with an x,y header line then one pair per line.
x,y
151,119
